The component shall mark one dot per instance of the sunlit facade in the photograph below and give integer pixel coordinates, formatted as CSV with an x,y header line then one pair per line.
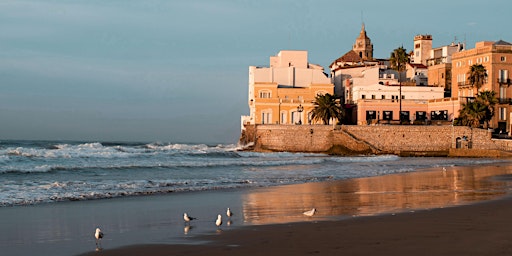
x,y
496,57
284,92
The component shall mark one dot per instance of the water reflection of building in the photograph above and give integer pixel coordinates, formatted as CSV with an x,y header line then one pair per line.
x,y
370,196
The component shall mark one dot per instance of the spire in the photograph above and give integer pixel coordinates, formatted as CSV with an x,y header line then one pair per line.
x,y
362,34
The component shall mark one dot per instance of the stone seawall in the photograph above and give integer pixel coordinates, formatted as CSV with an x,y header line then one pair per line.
x,y
385,139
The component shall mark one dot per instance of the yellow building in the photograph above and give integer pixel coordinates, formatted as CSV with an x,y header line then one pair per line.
x,y
284,92
496,57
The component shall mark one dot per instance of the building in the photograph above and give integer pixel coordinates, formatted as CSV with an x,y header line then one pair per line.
x,y
284,92
378,97
352,63
440,66
363,46
496,57
422,48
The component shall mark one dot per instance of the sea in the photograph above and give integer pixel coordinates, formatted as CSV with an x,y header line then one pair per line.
x,y
49,172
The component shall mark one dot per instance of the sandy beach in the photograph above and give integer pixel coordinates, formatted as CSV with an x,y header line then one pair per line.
x,y
481,229
457,211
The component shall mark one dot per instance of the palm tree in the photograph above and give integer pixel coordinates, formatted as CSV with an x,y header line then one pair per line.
x,y
326,108
471,114
398,61
488,100
477,75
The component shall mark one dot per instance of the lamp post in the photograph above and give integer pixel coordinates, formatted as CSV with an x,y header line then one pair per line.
x,y
300,108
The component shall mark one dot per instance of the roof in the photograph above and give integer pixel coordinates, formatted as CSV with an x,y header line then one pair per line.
x,y
501,42
417,65
350,56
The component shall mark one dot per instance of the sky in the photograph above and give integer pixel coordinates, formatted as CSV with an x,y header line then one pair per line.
x,y
177,71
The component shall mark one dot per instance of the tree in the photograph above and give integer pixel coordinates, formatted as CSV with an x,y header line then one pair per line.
x,y
481,110
477,75
488,100
398,61
471,114
326,109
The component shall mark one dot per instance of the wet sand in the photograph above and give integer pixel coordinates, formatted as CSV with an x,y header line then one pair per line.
x,y
481,229
460,211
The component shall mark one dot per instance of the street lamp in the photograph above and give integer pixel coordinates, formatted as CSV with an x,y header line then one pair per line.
x,y
300,108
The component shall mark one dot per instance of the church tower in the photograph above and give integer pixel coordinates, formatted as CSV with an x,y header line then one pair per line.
x,y
363,46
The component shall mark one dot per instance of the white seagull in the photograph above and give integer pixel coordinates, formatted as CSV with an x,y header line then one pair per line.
x,y
229,213
187,218
218,222
98,235
310,212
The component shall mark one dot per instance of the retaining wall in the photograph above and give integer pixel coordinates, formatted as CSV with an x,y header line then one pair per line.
x,y
382,139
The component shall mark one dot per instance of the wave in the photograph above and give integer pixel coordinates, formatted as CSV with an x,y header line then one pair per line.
x,y
212,160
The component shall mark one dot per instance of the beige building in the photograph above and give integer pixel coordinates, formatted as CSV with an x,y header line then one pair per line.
x,y
422,47
284,92
363,46
496,57
440,66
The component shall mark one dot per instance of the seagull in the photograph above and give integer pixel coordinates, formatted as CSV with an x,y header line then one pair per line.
x,y
310,212
187,218
98,235
229,213
218,222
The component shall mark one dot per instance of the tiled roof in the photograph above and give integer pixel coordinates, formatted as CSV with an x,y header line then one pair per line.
x,y
350,56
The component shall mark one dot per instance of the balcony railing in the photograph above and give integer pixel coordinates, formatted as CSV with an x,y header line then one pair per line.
x,y
505,101
504,81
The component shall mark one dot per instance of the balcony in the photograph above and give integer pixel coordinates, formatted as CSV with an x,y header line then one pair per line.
x,y
506,101
504,81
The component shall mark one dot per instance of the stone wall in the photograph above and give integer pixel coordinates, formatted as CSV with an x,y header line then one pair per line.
x,y
384,139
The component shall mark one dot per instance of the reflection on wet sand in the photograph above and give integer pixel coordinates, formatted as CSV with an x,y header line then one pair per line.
x,y
376,195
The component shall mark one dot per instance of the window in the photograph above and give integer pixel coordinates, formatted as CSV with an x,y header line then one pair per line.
x,y
503,58
383,97
486,59
503,75
265,94
266,117
363,96
503,114
373,97
470,62
387,115
283,117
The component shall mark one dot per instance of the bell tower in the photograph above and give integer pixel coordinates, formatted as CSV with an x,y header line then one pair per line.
x,y
363,46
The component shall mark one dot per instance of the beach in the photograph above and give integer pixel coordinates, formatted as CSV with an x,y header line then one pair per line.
x,y
463,210
480,229
473,220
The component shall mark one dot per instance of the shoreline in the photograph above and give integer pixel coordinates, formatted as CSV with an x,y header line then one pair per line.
x,y
477,229
155,223
427,228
